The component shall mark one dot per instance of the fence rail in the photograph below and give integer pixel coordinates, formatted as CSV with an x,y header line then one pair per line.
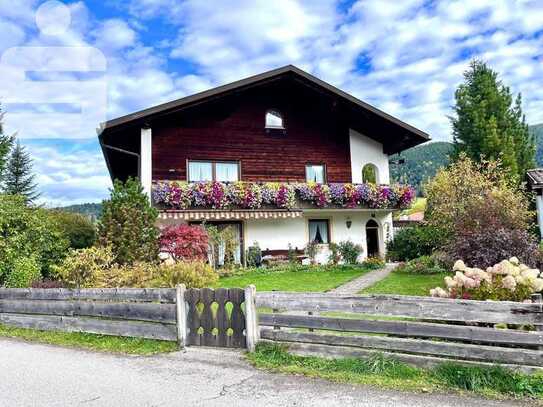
x,y
419,330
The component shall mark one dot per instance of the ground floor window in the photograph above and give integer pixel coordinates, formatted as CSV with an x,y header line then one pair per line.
x,y
319,231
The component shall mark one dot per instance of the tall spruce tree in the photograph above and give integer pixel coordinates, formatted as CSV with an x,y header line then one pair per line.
x,y
6,142
489,123
19,178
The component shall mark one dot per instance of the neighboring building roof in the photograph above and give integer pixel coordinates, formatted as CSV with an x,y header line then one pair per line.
x,y
535,178
417,136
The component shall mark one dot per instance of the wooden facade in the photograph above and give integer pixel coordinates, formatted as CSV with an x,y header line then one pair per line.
x,y
233,129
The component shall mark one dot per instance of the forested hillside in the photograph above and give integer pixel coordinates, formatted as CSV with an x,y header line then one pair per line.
x,y
537,131
91,210
420,163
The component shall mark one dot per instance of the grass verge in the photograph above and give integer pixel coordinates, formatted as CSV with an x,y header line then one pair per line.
x,y
300,278
102,343
382,371
406,284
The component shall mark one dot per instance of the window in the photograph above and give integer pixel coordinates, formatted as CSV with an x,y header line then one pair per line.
x,y
319,231
315,173
213,171
274,120
370,174
226,172
200,171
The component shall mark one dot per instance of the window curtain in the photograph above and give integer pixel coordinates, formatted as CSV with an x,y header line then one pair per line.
x,y
318,231
200,171
237,251
226,172
315,173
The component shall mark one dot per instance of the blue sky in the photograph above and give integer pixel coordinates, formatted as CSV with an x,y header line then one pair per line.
x,y
405,57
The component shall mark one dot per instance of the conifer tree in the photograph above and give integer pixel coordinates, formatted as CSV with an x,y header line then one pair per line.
x,y
6,143
19,178
489,123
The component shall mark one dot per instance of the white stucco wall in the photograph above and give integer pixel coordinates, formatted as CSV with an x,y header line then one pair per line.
x,y
365,150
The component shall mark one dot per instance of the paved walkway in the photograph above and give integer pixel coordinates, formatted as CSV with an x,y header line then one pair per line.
x,y
364,281
42,375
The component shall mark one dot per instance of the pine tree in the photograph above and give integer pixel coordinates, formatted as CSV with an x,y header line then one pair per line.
x,y
19,178
488,123
6,143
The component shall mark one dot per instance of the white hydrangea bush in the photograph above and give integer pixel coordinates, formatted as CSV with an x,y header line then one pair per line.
x,y
509,280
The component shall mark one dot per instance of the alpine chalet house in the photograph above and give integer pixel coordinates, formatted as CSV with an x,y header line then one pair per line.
x,y
282,157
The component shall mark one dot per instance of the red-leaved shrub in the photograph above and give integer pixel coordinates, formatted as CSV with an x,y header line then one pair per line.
x,y
185,242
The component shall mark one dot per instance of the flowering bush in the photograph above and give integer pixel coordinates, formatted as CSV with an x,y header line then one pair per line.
x,y
508,280
185,242
248,195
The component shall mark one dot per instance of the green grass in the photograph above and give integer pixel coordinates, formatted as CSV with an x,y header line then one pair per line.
x,y
382,371
102,343
418,206
406,284
310,278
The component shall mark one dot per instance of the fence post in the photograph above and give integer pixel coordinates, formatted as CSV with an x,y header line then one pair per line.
x,y
181,313
538,299
251,319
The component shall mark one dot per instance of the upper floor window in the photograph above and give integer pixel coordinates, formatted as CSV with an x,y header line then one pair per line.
x,y
315,173
222,171
370,174
274,120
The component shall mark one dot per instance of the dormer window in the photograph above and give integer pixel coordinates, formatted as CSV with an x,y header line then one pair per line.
x,y
274,120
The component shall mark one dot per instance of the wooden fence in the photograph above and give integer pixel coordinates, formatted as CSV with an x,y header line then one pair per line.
x,y
423,331
186,316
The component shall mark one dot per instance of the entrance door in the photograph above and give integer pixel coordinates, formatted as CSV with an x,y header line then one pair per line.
x,y
372,238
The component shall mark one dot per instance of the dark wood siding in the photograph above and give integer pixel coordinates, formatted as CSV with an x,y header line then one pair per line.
x,y
233,129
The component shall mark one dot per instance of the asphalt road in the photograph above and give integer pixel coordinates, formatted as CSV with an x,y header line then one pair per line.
x,y
41,375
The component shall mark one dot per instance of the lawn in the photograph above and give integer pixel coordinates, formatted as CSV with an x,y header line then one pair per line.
x,y
308,278
103,343
378,370
406,284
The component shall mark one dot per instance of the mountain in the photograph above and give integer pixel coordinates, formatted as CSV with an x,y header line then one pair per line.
x,y
537,131
420,163
91,210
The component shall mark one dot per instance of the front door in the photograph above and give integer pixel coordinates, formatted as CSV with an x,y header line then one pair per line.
x,y
372,238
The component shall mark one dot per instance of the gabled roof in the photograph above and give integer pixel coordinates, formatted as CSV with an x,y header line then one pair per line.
x,y
535,178
417,136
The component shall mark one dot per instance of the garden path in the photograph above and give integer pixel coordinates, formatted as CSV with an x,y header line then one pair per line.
x,y
364,281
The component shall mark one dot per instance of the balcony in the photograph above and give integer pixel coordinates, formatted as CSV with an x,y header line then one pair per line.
x,y
273,199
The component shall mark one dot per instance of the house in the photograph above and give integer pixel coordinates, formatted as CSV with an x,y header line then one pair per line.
x,y
535,182
313,161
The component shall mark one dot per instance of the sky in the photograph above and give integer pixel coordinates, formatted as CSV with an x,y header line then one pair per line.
x,y
65,67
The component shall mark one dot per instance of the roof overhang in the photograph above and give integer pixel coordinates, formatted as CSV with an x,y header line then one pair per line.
x,y
410,135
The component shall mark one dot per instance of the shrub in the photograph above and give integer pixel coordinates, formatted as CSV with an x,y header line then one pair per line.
x,y
334,257
127,224
28,232
508,280
47,283
254,255
412,242
311,250
422,265
25,271
487,245
467,194
349,251
137,275
373,263
194,274
78,229
81,267
185,242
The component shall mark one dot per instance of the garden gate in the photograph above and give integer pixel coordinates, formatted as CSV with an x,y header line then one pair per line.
x,y
216,317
